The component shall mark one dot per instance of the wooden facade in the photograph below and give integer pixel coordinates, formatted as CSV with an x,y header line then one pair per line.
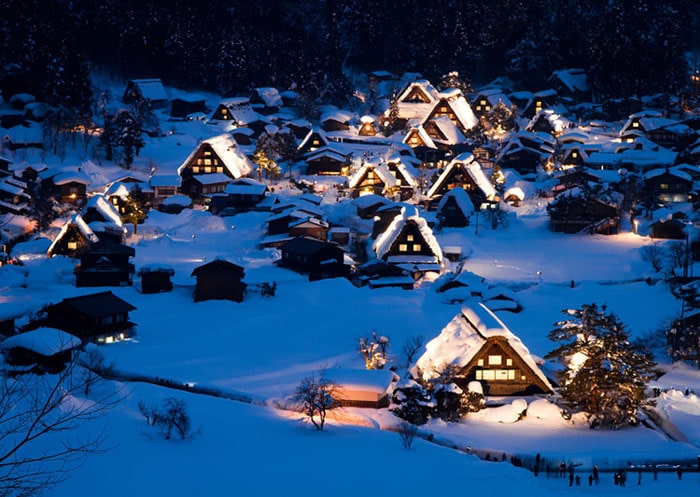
x,y
305,254
502,371
156,279
99,317
105,264
483,349
219,280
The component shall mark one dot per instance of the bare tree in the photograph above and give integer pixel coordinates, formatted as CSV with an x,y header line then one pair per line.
x,y
314,397
94,366
411,347
407,432
654,255
171,418
39,417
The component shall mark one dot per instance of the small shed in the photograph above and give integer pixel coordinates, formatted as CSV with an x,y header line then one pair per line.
x,y
219,280
156,278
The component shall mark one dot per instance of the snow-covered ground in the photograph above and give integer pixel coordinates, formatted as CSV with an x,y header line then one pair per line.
x,y
265,346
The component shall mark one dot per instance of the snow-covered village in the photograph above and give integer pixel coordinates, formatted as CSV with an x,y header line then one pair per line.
x,y
443,278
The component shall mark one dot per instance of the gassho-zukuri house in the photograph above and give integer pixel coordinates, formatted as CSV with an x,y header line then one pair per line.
x,y
485,350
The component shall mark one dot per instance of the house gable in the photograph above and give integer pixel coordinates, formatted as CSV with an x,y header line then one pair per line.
x,y
485,350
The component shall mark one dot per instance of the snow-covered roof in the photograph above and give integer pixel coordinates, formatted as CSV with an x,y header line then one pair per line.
x,y
453,135
383,243
231,155
381,170
574,79
151,89
270,96
77,221
463,338
473,168
460,196
182,200
423,135
374,380
673,171
340,115
104,207
459,105
71,177
245,188
165,180
44,341
211,179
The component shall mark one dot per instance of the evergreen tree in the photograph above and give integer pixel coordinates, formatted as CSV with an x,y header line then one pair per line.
x,y
412,402
683,337
136,208
606,375
127,131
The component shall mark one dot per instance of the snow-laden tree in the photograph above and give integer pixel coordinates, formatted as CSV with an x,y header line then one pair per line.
x,y
411,402
606,375
314,397
136,207
374,350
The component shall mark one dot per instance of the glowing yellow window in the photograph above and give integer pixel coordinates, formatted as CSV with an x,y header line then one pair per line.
x,y
403,247
417,247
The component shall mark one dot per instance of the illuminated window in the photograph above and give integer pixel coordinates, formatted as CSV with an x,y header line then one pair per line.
x,y
195,169
207,162
663,186
574,154
72,245
480,362
635,124
403,247
509,362
207,169
417,247
207,153
495,360
219,169
409,238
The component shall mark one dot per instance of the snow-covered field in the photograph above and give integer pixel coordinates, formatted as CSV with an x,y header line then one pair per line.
x,y
265,346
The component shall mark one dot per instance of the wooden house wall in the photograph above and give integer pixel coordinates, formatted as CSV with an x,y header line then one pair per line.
x,y
215,285
409,242
326,166
443,108
73,193
667,231
310,262
205,161
318,232
72,243
156,282
66,318
509,376
451,215
369,183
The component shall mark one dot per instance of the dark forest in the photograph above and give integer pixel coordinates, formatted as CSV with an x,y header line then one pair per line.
x,y
627,47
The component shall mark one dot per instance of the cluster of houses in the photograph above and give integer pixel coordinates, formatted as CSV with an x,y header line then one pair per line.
x,y
432,159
